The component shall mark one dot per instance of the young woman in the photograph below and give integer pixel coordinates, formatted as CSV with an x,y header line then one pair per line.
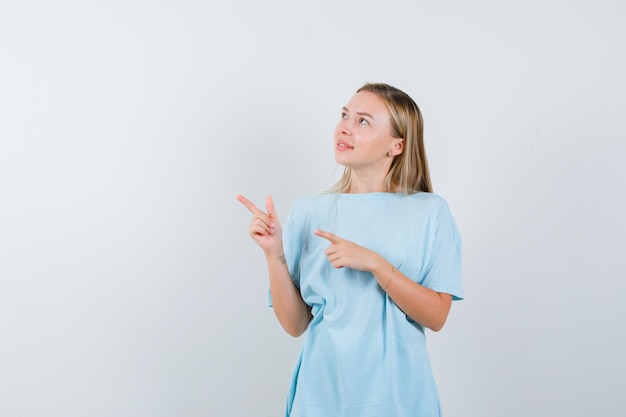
x,y
365,268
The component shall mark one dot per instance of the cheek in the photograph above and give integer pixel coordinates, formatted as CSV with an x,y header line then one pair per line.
x,y
337,133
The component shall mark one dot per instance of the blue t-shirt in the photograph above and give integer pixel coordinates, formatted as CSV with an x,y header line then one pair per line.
x,y
362,355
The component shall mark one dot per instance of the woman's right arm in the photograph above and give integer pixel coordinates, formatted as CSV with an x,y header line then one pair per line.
x,y
290,309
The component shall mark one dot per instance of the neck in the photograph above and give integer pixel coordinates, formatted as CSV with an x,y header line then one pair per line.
x,y
364,182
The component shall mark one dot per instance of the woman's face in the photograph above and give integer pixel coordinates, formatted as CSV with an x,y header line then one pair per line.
x,y
363,135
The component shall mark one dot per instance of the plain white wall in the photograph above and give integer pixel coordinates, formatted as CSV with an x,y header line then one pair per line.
x,y
128,285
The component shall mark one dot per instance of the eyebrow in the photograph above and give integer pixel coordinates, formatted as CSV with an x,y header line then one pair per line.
x,y
360,113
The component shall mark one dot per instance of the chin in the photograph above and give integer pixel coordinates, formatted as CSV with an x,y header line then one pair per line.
x,y
342,156
341,161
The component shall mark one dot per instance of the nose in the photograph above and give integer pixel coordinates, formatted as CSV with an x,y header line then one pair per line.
x,y
344,127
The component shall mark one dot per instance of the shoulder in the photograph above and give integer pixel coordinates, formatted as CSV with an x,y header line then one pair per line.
x,y
428,200
432,207
440,216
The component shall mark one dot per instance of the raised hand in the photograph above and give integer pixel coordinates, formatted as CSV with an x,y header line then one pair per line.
x,y
344,253
265,227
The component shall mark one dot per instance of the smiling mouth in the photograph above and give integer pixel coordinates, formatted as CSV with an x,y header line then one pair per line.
x,y
342,145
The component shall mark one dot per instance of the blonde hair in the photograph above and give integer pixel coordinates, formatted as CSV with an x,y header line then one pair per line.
x,y
409,170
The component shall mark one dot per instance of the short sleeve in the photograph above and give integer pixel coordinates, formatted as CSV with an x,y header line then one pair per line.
x,y
292,245
444,272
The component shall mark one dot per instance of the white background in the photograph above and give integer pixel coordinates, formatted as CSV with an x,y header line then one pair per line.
x,y
128,285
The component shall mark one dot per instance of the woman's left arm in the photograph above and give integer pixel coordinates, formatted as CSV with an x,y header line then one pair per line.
x,y
427,307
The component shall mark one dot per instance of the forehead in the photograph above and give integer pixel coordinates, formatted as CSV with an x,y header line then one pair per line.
x,y
367,102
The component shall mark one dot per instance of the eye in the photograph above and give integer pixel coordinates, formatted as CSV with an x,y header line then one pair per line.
x,y
362,121
344,115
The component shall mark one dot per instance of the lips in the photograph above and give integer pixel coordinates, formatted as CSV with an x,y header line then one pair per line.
x,y
344,146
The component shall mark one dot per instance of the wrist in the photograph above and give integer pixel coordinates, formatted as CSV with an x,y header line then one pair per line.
x,y
386,285
384,272
274,253
380,266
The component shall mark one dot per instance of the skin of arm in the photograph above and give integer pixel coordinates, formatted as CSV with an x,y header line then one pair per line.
x,y
423,305
290,309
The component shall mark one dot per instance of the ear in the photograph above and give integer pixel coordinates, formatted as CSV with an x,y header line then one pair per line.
x,y
397,147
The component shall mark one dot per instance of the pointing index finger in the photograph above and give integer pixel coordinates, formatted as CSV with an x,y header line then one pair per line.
x,y
332,238
249,204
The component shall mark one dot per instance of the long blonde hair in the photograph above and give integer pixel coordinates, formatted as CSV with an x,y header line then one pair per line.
x,y
409,171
